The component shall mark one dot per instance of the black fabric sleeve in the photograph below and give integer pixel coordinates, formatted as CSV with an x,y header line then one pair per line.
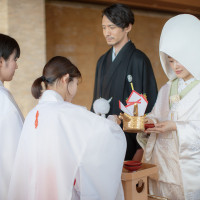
x,y
149,84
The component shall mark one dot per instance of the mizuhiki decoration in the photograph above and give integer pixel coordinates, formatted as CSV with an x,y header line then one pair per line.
x,y
134,111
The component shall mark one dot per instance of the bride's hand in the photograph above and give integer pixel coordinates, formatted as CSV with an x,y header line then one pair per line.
x,y
162,127
148,121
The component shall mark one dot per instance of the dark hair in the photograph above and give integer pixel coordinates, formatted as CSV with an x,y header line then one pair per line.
x,y
55,69
7,46
119,14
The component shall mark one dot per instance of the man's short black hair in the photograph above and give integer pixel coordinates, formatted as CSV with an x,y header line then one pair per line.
x,y
7,46
119,14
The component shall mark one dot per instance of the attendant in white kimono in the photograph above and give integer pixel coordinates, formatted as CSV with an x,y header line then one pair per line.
x,y
11,118
65,151
174,142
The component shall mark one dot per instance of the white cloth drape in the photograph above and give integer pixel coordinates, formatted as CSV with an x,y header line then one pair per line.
x,y
67,143
11,122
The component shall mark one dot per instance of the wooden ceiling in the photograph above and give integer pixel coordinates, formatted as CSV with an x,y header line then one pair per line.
x,y
175,6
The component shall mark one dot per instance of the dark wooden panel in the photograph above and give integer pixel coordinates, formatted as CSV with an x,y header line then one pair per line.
x,y
176,6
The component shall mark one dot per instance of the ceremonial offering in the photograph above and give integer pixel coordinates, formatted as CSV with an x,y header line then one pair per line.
x,y
132,165
135,183
146,126
132,124
133,116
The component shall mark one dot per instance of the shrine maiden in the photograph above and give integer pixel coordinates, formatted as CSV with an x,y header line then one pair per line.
x,y
11,119
174,143
65,151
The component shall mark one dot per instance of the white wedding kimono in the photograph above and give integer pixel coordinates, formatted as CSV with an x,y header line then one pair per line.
x,y
177,153
11,122
63,144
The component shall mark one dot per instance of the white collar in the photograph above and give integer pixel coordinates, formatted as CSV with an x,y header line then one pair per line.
x,y
113,54
183,84
186,82
50,95
114,51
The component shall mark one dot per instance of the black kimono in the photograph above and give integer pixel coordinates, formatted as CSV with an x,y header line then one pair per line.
x,y
111,81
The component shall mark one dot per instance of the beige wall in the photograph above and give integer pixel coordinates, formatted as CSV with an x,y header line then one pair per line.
x,y
4,16
74,30
24,20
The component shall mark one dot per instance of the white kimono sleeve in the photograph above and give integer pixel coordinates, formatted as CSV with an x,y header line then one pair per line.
x,y
189,149
10,129
101,166
159,113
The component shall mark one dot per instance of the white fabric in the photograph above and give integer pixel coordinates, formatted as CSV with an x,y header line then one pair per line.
x,y
69,142
101,106
11,122
183,84
177,154
180,40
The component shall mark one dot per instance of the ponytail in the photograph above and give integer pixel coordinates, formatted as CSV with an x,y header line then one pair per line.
x,y
36,88
55,69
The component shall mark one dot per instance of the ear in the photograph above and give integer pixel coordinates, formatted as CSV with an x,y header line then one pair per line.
x,y
1,61
65,78
128,29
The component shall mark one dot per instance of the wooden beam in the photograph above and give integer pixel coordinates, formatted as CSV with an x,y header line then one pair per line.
x,y
176,6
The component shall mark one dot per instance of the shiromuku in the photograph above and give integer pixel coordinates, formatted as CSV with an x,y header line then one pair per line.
x,y
174,143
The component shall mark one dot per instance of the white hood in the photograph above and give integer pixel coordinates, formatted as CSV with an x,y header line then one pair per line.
x,y
180,39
